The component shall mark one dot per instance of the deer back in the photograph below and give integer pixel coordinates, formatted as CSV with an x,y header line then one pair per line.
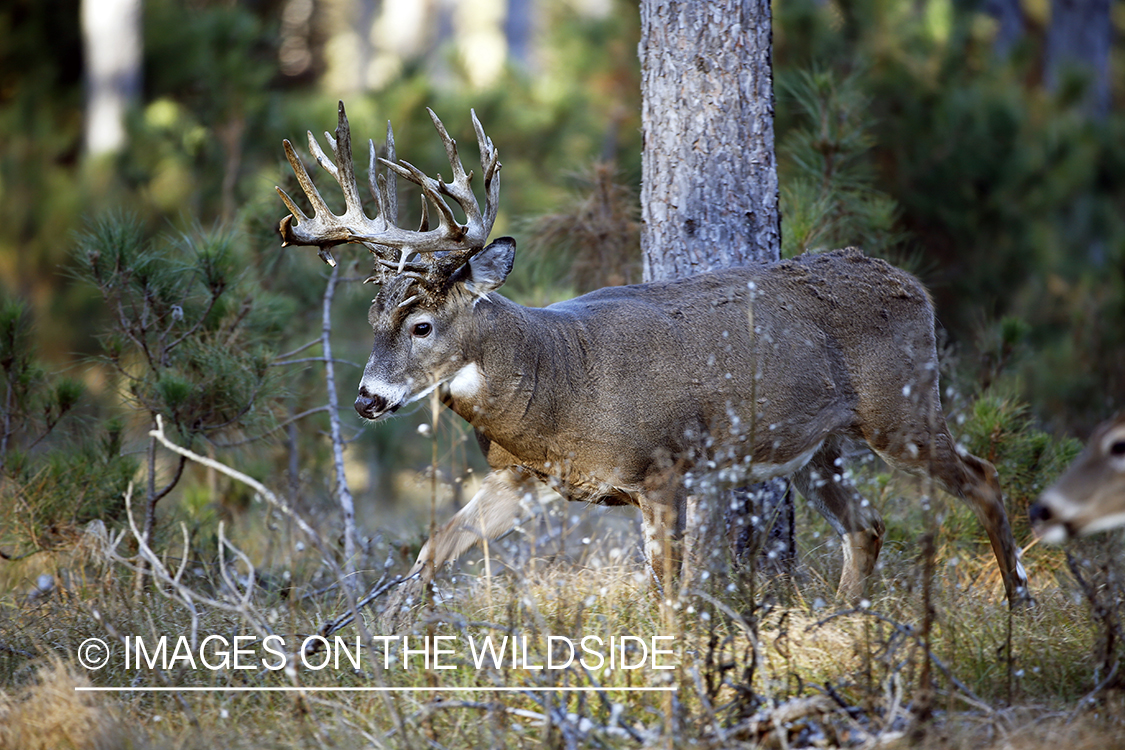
x,y
751,366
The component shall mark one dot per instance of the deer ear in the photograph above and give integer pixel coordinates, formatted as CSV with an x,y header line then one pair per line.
x,y
490,267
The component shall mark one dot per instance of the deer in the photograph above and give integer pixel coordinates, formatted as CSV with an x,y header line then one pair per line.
x,y
1090,495
621,396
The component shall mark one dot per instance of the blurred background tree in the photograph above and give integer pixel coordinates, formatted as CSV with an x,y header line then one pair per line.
x,y
971,142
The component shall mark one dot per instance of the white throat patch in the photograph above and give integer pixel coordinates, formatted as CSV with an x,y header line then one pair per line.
x,y
467,383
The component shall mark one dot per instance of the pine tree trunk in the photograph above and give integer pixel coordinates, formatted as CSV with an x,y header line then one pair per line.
x,y
709,193
519,30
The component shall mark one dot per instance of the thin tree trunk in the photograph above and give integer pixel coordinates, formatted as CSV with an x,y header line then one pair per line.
x,y
348,51
343,493
111,34
1010,19
149,526
230,136
150,495
152,498
519,30
7,425
294,463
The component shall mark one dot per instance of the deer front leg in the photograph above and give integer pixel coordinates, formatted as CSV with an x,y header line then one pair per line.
x,y
976,482
492,512
657,527
670,523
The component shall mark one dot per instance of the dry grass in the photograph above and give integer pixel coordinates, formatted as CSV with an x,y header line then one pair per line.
x,y
49,714
838,677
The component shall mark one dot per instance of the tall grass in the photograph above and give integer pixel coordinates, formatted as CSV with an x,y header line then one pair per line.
x,y
785,667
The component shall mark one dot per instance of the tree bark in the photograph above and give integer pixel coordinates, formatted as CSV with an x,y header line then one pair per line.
x,y
709,196
709,192
1079,39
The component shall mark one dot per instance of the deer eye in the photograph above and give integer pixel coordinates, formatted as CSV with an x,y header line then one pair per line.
x,y
421,330
1117,448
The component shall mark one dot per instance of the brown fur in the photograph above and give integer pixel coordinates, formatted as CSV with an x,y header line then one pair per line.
x,y
753,372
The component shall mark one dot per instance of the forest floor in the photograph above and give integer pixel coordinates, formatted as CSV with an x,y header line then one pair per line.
x,y
557,639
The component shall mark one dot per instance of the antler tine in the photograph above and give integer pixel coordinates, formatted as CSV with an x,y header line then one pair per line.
x,y
431,189
380,192
460,189
412,267
450,150
383,187
318,154
424,224
288,236
343,170
490,168
489,158
393,246
304,181
378,185
326,229
392,183
472,235
380,250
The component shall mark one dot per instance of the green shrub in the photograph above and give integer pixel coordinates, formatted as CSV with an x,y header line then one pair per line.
x,y
1001,429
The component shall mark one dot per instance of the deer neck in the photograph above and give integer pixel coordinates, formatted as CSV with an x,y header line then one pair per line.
x,y
516,380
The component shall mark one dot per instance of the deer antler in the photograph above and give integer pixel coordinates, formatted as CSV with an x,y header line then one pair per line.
x,y
392,246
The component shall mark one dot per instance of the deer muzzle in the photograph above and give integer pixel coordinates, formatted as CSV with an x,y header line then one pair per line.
x,y
371,405
1046,523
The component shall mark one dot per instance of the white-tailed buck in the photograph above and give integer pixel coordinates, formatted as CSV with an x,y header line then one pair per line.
x,y
616,396
1090,495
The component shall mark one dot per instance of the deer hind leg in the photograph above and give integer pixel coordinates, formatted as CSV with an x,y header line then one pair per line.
x,y
823,483
658,525
973,480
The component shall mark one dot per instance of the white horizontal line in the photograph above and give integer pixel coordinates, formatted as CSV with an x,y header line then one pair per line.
x,y
293,689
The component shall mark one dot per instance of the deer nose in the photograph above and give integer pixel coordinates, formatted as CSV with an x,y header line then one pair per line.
x,y
1039,513
368,404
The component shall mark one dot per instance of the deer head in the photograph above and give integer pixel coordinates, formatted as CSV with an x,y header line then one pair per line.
x,y
428,277
1090,495
422,336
